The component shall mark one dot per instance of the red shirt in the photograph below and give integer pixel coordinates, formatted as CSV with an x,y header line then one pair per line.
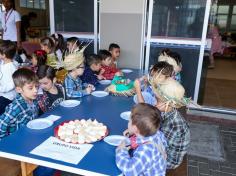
x,y
109,72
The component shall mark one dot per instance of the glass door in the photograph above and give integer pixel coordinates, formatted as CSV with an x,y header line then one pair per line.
x,y
180,26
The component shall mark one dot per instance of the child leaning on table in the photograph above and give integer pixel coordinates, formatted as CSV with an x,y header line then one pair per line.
x,y
158,73
74,64
92,70
107,70
146,154
53,94
24,107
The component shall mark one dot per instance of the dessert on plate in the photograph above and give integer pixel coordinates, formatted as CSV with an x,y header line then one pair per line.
x,y
81,131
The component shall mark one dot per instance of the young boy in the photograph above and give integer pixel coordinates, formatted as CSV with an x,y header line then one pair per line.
x,y
158,73
92,73
147,144
170,96
24,107
115,52
74,64
107,70
53,94
7,68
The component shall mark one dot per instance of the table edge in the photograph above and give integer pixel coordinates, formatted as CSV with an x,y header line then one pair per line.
x,y
49,164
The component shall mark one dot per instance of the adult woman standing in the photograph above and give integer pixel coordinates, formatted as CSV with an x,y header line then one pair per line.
x,y
11,21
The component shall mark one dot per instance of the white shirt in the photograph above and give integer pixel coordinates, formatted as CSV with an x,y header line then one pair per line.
x,y
7,87
9,27
59,55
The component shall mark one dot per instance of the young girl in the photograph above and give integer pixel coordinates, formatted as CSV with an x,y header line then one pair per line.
x,y
53,94
158,73
48,46
74,64
39,57
59,45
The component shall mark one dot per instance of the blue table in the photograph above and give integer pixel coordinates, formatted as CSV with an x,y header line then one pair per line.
x,y
100,160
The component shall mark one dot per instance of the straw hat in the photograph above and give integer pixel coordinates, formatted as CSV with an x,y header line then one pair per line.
x,y
74,59
171,92
165,58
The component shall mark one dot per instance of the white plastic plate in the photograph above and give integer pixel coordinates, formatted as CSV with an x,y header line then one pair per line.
x,y
70,103
39,124
115,140
105,82
100,93
127,70
125,115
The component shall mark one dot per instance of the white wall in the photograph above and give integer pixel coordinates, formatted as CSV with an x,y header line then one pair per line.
x,y
121,22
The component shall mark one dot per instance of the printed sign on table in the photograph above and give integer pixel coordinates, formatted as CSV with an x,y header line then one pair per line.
x,y
62,151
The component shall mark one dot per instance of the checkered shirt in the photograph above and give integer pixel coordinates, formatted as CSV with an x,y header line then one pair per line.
x,y
16,115
146,160
177,133
74,87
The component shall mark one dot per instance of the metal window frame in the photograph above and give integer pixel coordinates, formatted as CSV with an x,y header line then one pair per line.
x,y
93,36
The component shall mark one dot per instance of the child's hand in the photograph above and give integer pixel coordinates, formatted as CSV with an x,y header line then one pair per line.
x,y
92,86
89,90
137,85
119,73
127,133
100,77
101,71
122,145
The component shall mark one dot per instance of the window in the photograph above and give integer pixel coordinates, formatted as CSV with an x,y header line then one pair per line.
x,y
74,15
35,4
175,18
233,22
223,9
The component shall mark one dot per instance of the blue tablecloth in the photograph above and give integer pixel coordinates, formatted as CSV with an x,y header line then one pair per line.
x,y
101,158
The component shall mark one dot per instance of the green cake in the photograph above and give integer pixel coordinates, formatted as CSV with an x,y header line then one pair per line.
x,y
121,87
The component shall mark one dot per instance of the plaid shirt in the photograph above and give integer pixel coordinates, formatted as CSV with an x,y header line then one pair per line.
x,y
89,76
177,132
147,158
74,87
109,72
17,114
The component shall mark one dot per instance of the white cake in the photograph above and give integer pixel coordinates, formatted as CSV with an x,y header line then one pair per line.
x,y
81,131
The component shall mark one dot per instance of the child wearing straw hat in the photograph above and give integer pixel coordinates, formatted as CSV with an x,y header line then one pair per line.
x,y
170,96
74,64
174,59
158,73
